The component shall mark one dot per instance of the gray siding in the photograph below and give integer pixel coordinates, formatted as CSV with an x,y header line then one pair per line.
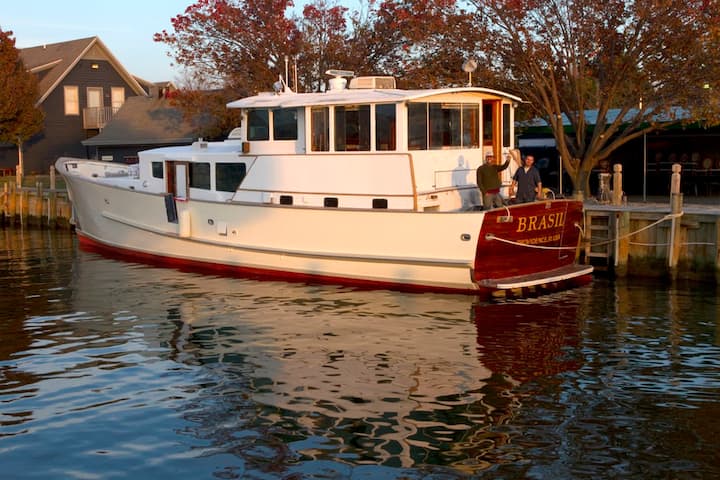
x,y
63,133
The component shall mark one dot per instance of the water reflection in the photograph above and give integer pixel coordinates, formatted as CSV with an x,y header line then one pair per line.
x,y
141,368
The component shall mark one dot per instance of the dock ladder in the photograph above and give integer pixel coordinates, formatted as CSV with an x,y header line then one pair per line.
x,y
599,246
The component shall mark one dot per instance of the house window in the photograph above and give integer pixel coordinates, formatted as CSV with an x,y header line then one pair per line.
x,y
72,101
95,97
117,97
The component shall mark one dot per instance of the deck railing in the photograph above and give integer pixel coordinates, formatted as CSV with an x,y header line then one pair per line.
x,y
97,117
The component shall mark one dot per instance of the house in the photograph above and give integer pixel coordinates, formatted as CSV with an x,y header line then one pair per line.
x,y
140,124
81,86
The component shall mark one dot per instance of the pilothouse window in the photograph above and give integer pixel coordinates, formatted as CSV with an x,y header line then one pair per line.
x,y
445,130
385,127
258,125
443,125
352,128
417,126
285,124
320,129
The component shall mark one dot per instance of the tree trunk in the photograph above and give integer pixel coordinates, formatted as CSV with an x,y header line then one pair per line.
x,y
21,166
581,183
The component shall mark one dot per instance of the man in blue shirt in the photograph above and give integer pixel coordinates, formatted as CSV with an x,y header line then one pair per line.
x,y
526,182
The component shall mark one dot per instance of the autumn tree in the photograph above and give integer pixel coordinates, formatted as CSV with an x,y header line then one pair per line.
x,y
20,119
427,40
239,45
640,65
205,109
324,44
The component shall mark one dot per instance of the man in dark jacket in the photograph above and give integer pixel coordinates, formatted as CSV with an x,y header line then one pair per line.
x,y
488,181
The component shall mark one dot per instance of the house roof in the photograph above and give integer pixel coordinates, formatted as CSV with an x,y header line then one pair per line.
x,y
145,121
52,62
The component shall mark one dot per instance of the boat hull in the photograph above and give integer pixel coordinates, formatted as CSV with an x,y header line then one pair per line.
x,y
407,250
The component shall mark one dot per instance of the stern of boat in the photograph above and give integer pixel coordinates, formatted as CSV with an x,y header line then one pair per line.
x,y
530,245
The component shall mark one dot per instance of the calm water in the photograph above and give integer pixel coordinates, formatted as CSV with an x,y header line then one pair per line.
x,y
116,370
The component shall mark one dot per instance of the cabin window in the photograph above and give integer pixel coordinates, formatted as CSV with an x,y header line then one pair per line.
x,y
331,202
200,175
286,200
352,128
258,125
157,169
379,203
72,100
285,124
228,176
385,127
417,126
320,129
488,123
506,125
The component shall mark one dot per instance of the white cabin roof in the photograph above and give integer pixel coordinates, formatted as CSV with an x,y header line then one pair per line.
x,y
351,96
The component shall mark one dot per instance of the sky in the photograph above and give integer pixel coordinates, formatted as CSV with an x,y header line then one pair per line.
x,y
126,27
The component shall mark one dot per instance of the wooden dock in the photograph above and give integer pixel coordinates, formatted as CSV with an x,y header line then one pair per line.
x,y
40,207
653,239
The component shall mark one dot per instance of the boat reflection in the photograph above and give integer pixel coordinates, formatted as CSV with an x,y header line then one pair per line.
x,y
374,376
310,372
525,340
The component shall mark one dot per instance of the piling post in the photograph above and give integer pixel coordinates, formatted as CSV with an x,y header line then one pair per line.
x,y
717,256
52,177
38,212
676,203
24,206
12,203
622,243
617,190
5,203
52,208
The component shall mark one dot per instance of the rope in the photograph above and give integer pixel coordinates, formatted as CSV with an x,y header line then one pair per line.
x,y
669,216
667,244
490,236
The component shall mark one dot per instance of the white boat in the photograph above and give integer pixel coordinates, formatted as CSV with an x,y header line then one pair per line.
x,y
362,184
